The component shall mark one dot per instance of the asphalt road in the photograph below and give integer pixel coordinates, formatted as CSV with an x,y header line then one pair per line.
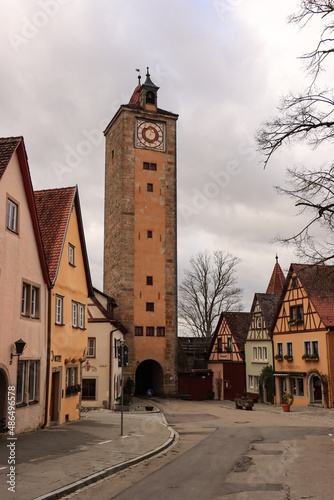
x,y
232,454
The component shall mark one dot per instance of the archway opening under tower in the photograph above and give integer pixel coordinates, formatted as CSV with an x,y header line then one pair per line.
x,y
149,376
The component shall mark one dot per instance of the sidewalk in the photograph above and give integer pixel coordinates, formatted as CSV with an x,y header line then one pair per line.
x,y
62,459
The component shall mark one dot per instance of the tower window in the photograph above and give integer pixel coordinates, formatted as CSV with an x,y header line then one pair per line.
x,y
150,187
150,97
149,166
149,280
160,331
138,331
150,331
150,234
149,306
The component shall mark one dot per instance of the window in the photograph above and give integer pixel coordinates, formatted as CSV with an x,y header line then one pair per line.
x,y
20,382
30,301
161,331
289,349
296,386
138,331
34,302
32,381
150,331
81,316
229,344
24,299
149,166
220,345
91,347
27,382
258,323
78,315
296,314
89,389
260,354
253,382
149,306
71,254
12,210
59,310
71,380
150,234
280,349
311,348
150,187
74,314
149,280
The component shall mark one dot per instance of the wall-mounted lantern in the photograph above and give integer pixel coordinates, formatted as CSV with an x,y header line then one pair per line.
x,y
19,347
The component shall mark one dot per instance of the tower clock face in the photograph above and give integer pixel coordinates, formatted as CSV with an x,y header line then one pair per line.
x,y
150,135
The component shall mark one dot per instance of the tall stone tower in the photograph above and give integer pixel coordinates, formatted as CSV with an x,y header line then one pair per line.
x,y
140,264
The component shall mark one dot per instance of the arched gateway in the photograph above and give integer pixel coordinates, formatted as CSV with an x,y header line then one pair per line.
x,y
149,375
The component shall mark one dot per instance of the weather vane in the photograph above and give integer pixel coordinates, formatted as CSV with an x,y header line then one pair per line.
x,y
139,77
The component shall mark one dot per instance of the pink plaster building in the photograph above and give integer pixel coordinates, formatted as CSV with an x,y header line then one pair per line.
x,y
23,291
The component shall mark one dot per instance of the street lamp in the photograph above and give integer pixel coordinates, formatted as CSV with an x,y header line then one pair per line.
x,y
19,346
120,354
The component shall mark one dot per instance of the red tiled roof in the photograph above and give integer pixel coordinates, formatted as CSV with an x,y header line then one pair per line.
x,y
135,96
318,282
277,280
53,209
8,146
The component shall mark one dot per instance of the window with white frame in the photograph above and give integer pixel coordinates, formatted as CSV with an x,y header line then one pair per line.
x,y
59,310
91,347
71,254
260,353
30,301
253,382
71,378
258,322
74,314
12,212
81,316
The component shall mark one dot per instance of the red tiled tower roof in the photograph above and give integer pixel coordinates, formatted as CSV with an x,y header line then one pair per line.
x,y
135,96
277,279
53,209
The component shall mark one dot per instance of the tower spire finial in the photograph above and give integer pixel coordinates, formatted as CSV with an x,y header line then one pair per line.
x,y
276,259
139,77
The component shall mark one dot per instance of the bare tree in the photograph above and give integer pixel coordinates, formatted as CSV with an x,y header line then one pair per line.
x,y
308,118
208,288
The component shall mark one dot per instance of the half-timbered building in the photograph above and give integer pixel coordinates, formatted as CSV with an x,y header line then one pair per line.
x,y
258,345
303,336
227,354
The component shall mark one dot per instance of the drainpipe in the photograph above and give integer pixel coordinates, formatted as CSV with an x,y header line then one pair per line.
x,y
48,361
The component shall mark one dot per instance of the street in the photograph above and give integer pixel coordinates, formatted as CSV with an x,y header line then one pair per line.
x,y
227,453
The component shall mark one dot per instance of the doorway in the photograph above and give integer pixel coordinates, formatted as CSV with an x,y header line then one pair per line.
x,y
315,389
149,376
55,397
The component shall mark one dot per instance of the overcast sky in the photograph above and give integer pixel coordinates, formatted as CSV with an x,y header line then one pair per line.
x,y
67,65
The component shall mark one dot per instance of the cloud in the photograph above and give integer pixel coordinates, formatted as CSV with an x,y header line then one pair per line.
x,y
67,65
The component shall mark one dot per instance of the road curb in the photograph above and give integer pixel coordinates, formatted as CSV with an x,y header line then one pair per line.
x,y
93,478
